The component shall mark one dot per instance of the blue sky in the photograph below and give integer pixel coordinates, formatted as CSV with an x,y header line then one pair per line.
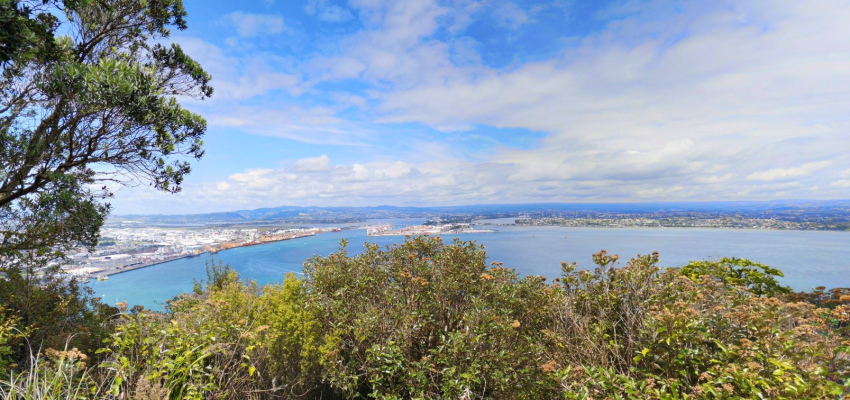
x,y
427,102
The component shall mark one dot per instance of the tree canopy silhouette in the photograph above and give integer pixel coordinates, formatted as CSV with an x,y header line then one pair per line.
x,y
88,98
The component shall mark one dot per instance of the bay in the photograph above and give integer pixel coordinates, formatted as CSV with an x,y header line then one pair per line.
x,y
808,258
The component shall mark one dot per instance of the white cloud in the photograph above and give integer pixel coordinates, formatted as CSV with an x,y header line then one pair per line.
x,y
742,100
789,173
251,175
324,10
251,25
239,78
510,15
699,96
713,179
316,164
392,47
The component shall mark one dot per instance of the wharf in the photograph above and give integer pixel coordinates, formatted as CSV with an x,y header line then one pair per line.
x,y
128,268
109,271
388,230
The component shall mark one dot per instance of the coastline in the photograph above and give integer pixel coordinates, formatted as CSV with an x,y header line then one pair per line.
x,y
106,273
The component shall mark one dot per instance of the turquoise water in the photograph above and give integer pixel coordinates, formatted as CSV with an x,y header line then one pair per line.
x,y
807,258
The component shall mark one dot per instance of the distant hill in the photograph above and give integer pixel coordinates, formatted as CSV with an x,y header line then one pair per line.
x,y
792,210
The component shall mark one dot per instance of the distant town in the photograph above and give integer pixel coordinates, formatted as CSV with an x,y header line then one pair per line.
x,y
786,214
128,245
432,228
131,246
696,221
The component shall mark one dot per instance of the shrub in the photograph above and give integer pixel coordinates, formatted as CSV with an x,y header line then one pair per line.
x,y
428,320
291,335
758,278
639,331
51,312
9,333
203,348
835,305
228,339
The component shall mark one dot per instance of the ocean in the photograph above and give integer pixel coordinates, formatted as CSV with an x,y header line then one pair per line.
x,y
808,258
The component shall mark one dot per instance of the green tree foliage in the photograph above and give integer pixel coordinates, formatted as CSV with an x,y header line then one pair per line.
x,y
227,340
9,333
758,278
83,103
427,319
87,99
56,313
26,30
291,332
643,332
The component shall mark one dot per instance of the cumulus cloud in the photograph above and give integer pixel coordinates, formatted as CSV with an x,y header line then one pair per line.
x,y
316,164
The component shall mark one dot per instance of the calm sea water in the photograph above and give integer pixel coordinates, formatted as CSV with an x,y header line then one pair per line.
x,y
807,258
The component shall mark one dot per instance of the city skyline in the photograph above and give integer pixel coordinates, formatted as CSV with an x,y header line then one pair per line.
x,y
366,102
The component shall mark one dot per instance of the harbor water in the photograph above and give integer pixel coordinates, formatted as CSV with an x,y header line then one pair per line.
x,y
808,258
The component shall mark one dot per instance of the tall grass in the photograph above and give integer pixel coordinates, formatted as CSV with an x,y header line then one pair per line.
x,y
54,375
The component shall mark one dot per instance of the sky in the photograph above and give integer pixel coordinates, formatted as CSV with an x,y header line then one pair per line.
x,y
428,103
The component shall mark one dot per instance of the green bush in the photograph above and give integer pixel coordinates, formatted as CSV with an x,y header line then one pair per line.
x,y
203,348
758,278
51,312
426,319
639,331
225,340
291,334
9,333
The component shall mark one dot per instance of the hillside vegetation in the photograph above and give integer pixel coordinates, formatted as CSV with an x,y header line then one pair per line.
x,y
427,319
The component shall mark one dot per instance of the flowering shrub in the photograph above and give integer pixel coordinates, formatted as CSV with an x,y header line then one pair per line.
x,y
639,331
